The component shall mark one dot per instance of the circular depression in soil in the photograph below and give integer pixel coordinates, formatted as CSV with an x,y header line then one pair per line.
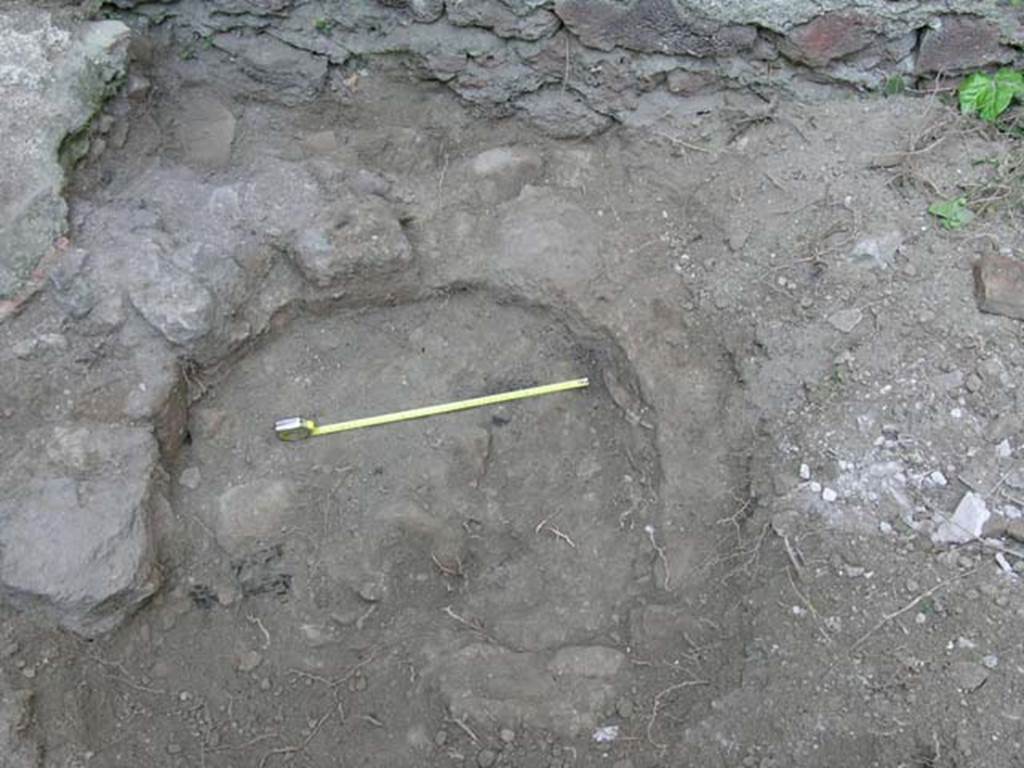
x,y
515,530
521,523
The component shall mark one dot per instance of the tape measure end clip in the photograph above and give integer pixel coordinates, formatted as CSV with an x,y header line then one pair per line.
x,y
295,428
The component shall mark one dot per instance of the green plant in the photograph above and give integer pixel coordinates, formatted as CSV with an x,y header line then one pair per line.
x,y
894,86
988,96
323,25
953,214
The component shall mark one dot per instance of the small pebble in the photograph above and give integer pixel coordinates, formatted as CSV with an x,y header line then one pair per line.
x,y
991,661
173,749
507,735
248,661
829,495
625,708
190,478
13,647
815,487
485,758
29,672
441,738
805,472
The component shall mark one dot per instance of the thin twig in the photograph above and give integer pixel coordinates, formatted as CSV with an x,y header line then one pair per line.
x,y
465,728
565,75
909,606
478,628
244,745
266,635
544,526
657,706
649,529
810,607
299,747
681,143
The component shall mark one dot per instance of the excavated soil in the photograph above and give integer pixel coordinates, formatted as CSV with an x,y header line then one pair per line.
x,y
717,555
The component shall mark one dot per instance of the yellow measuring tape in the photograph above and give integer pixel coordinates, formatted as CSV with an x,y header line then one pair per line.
x,y
299,428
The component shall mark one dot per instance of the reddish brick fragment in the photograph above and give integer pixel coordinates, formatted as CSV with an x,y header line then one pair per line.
x,y
827,38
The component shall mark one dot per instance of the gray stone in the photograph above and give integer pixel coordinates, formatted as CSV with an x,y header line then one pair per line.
x,y
1007,425
496,15
999,285
248,661
961,43
171,301
561,114
190,478
499,174
363,238
653,26
426,11
321,143
18,747
967,522
366,182
373,589
74,524
249,514
52,82
206,131
485,758
289,74
967,675
846,320
877,250
949,381
624,708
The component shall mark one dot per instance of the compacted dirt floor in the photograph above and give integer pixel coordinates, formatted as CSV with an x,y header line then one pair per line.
x,y
719,554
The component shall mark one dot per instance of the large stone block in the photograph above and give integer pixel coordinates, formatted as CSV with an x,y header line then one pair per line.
x,y
653,26
961,43
74,524
826,38
52,81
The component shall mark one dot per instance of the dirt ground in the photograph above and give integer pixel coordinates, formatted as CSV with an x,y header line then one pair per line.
x,y
720,554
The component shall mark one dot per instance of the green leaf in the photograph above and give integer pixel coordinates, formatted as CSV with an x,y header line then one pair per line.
x,y
1010,80
975,92
894,86
954,214
989,96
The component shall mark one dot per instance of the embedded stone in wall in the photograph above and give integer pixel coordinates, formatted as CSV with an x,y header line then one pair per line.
x,y
652,26
290,74
826,38
961,43
495,15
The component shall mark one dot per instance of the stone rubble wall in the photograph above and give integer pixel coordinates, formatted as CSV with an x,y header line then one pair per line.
x,y
575,66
